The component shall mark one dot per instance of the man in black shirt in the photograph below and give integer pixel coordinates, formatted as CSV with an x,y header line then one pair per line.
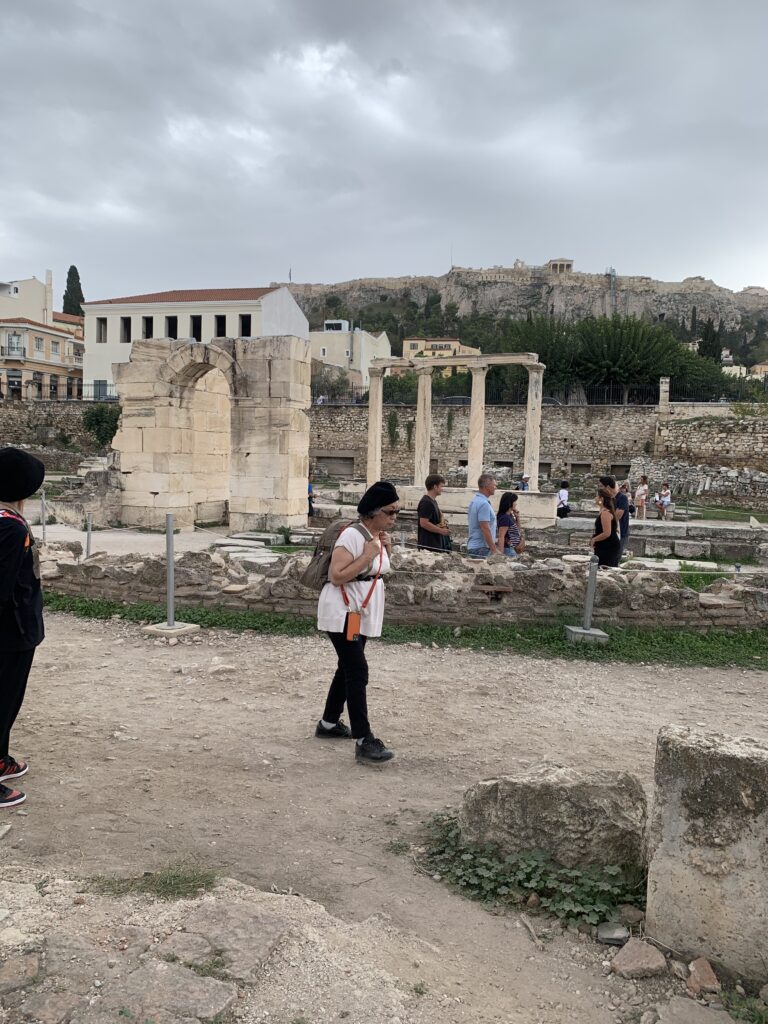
x,y
621,503
21,603
432,534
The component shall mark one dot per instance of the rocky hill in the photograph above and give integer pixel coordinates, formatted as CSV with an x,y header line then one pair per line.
x,y
520,290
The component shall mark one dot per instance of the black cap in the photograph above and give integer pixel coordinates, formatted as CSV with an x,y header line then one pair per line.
x,y
20,474
377,496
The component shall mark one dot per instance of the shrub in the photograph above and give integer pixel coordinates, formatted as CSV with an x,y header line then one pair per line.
x,y
101,421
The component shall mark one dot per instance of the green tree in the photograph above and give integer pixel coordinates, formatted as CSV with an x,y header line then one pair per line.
x,y
101,421
330,382
694,322
73,293
710,346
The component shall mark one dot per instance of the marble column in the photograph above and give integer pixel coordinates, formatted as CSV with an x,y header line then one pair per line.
x,y
375,409
533,424
423,441
476,426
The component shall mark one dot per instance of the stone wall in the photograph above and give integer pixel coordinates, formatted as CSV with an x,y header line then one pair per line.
x,y
592,438
717,441
425,588
52,430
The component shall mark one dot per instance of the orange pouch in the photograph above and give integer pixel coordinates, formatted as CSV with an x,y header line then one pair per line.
x,y
353,625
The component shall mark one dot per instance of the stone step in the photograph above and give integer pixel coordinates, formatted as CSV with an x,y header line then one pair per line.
x,y
233,542
263,536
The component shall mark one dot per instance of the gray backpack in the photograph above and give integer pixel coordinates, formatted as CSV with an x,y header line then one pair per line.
x,y
315,576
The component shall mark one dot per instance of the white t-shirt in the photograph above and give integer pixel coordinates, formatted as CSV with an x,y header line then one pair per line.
x,y
641,493
562,497
331,610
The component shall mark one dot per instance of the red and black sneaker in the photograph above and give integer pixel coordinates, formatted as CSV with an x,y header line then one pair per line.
x,y
11,797
10,768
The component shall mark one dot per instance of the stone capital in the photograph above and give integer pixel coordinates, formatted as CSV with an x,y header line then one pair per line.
x,y
425,371
536,368
478,371
375,371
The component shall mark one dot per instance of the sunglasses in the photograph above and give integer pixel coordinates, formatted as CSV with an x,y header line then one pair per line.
x,y
390,511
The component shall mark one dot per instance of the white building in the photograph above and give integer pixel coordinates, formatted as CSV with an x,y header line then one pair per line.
x,y
200,315
28,298
353,350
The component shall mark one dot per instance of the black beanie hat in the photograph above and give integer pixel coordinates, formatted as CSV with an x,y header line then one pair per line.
x,y
20,474
379,494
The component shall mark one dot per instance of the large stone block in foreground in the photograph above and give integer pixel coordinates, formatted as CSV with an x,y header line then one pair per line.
x,y
708,879
578,818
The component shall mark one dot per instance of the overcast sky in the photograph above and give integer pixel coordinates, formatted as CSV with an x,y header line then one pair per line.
x,y
210,143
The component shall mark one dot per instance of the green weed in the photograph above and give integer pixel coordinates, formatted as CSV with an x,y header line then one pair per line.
x,y
745,1008
485,873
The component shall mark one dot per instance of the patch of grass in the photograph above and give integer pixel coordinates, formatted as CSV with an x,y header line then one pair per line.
x,y
397,846
420,988
289,549
697,580
175,882
485,873
215,967
746,1008
736,648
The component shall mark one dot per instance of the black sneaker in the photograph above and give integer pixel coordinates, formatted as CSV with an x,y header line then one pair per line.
x,y
11,797
10,768
373,751
339,731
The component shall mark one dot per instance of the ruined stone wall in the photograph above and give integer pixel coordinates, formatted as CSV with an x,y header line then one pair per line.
x,y
425,588
728,441
596,437
56,427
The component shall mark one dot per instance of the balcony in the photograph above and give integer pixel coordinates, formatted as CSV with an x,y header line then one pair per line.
x,y
13,352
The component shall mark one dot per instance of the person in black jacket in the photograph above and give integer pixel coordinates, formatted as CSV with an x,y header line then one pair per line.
x,y
21,603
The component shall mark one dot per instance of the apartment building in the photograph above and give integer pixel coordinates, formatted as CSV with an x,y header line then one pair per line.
x,y
111,325
39,361
437,348
351,350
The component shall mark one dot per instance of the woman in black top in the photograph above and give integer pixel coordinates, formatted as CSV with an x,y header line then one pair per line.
x,y
508,524
605,540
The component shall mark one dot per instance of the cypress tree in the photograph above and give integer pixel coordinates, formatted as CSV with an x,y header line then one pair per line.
x,y
73,293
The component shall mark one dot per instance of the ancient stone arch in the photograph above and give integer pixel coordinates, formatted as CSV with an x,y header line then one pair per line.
x,y
207,429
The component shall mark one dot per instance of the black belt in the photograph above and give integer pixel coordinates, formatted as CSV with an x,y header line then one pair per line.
x,y
366,579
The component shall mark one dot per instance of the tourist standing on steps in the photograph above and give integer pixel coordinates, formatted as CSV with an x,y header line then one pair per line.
x,y
605,540
351,609
21,603
481,540
433,532
641,497
621,509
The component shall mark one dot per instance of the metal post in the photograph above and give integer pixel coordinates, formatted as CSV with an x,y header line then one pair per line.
x,y
589,600
170,615
43,515
88,533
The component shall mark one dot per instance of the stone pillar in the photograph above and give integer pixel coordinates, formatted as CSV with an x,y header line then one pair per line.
x,y
423,440
707,893
664,396
476,426
375,409
533,425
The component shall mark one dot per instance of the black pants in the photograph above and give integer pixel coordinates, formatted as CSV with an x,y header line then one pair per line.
x,y
14,672
349,684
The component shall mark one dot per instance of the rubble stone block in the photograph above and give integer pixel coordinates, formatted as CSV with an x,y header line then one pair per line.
x,y
708,876
692,548
578,818
638,959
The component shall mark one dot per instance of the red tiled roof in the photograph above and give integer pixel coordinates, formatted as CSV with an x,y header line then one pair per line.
x,y
32,323
69,318
195,295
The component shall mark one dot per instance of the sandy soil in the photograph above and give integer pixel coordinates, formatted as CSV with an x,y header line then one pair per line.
x,y
142,753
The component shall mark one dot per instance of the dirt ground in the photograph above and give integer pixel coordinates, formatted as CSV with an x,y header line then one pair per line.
x,y
142,753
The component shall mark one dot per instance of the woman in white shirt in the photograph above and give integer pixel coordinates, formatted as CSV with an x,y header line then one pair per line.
x,y
563,508
350,609
664,500
641,496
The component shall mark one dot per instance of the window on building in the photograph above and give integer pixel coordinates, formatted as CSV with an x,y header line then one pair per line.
x,y
99,389
620,470
55,349
147,326
545,470
171,327
125,330
70,387
39,345
323,353
220,325
14,345
414,345
347,353
101,330
245,325
196,327
53,386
